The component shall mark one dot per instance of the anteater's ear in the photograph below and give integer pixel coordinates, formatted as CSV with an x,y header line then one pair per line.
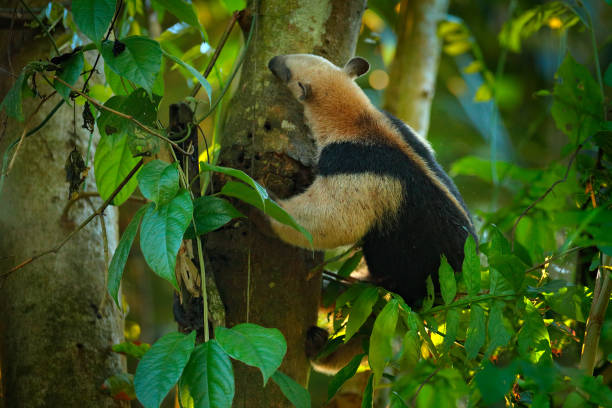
x,y
356,67
306,91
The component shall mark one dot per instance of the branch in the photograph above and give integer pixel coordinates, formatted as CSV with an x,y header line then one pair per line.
x,y
42,26
548,191
99,211
123,115
213,60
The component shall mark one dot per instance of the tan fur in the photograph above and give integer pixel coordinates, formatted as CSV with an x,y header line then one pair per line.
x,y
335,361
338,110
340,210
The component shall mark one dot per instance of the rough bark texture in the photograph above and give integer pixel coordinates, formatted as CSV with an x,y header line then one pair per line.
x,y
414,68
55,339
262,280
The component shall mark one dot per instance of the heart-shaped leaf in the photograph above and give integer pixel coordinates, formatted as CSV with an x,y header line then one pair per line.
x,y
254,345
70,73
211,213
136,58
93,17
298,395
161,234
208,378
159,181
160,368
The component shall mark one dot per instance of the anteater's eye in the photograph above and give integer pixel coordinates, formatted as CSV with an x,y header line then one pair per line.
x,y
306,90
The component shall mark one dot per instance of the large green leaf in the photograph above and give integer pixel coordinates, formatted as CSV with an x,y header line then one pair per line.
x,y
248,195
161,234
254,345
298,395
70,73
234,5
211,213
343,375
452,327
471,267
12,101
533,338
448,285
577,104
138,59
494,382
367,400
112,163
361,310
205,84
93,17
475,337
499,335
160,368
117,265
208,378
159,181
511,268
381,350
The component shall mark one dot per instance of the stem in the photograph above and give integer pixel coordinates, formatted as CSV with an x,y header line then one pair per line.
x,y
203,279
467,301
42,26
597,66
99,211
213,60
123,115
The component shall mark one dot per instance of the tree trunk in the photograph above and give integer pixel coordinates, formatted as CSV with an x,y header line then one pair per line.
x,y
56,329
415,66
262,280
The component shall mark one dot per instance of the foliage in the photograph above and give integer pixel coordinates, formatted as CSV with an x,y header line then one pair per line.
x,y
499,326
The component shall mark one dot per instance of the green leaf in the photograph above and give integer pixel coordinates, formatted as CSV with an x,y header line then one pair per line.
x,y
160,368
471,267
599,392
117,264
254,345
234,5
250,196
452,328
361,310
608,75
93,17
211,213
114,82
484,93
161,234
139,62
205,84
120,386
208,378
511,268
530,21
430,296
70,73
350,264
367,399
381,351
533,338
132,349
499,335
577,103
573,302
12,101
495,382
240,175
475,337
448,285
343,375
184,12
112,163
159,181
352,293
295,393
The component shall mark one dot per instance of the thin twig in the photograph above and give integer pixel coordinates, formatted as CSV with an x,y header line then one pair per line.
x,y
42,26
123,115
548,191
99,211
428,379
213,60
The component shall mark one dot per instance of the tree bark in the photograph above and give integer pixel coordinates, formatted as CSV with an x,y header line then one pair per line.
x,y
415,66
262,280
56,329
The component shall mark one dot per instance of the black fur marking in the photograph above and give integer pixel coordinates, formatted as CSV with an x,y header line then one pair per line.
x,y
419,148
401,253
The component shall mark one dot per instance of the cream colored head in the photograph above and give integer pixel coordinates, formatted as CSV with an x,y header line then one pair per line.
x,y
330,96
